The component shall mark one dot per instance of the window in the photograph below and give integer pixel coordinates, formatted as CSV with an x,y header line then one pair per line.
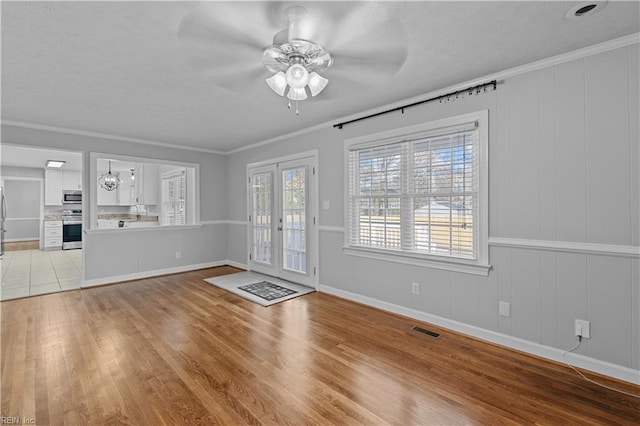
x,y
174,196
420,193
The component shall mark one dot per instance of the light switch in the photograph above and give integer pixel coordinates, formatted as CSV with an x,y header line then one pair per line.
x,y
504,309
326,205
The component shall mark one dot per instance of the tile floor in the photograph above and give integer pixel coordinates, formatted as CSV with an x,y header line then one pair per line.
x,y
33,272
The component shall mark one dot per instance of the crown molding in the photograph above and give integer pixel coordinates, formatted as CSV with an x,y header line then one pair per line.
x,y
326,124
57,129
617,43
501,75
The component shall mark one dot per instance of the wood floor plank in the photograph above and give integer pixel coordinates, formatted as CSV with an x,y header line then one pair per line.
x,y
177,350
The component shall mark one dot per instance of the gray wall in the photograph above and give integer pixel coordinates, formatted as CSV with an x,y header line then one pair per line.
x,y
23,201
28,172
564,150
113,254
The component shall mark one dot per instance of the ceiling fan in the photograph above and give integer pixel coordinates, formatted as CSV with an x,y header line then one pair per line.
x,y
332,45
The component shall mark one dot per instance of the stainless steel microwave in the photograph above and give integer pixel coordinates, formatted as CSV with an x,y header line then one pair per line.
x,y
71,197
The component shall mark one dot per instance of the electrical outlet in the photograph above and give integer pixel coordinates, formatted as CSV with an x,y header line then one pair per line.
x,y
583,328
138,263
178,255
415,288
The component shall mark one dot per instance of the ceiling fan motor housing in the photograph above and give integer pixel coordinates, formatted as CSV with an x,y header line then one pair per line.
x,y
297,51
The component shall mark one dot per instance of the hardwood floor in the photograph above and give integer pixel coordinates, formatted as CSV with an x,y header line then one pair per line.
x,y
176,350
21,245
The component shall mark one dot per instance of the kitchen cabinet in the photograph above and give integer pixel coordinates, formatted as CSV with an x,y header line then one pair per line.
x,y
123,195
53,187
147,184
53,234
126,190
137,188
71,181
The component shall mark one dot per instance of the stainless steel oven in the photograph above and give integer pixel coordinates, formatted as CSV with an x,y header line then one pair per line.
x,y
72,231
71,197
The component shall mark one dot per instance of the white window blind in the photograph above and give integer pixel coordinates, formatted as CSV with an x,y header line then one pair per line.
x,y
174,193
418,194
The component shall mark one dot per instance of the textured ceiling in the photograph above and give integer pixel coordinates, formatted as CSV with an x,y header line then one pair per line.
x,y
118,67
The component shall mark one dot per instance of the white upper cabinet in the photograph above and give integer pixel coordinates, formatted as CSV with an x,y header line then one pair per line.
x,y
139,183
148,188
71,181
53,188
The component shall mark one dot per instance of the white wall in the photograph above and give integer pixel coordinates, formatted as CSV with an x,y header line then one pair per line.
x,y
129,253
564,200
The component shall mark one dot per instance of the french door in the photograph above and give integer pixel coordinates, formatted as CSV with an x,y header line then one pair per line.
x,y
282,236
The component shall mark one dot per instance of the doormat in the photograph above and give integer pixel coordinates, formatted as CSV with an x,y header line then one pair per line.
x,y
276,290
267,290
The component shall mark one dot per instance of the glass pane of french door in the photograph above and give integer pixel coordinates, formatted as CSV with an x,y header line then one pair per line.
x,y
261,192
294,219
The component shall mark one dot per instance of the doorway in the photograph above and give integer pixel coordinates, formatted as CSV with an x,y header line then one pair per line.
x,y
37,258
282,203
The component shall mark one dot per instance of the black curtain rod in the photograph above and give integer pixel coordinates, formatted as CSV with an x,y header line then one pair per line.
x,y
470,90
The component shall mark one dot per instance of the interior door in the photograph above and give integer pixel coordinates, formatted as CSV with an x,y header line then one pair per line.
x,y
282,220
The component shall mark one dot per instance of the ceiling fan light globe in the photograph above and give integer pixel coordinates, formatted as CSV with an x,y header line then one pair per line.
x,y
297,94
317,83
277,83
297,76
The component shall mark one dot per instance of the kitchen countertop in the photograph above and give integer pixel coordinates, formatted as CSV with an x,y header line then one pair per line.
x,y
128,217
52,217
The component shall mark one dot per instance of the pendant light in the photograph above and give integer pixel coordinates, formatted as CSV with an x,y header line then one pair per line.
x,y
109,181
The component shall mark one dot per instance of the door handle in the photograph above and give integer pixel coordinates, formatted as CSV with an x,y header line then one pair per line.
x,y
280,225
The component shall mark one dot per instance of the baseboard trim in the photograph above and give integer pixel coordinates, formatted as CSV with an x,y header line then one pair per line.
x,y
237,264
554,354
157,272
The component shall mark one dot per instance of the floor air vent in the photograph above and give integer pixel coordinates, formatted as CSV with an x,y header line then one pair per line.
x,y
427,332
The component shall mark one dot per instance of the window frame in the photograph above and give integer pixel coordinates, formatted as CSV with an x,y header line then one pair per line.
x,y
478,266
166,176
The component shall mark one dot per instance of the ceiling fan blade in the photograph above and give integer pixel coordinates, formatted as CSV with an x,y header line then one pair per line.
x,y
238,77
372,63
368,22
228,24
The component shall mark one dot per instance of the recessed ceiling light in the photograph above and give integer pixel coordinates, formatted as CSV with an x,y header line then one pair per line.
x,y
55,164
586,9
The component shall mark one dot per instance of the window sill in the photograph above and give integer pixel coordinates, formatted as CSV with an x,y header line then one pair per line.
x,y
418,260
143,228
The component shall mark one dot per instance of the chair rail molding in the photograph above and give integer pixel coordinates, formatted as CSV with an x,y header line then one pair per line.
x,y
567,246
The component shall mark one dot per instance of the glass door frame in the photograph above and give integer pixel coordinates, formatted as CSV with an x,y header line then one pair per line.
x,y
275,166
